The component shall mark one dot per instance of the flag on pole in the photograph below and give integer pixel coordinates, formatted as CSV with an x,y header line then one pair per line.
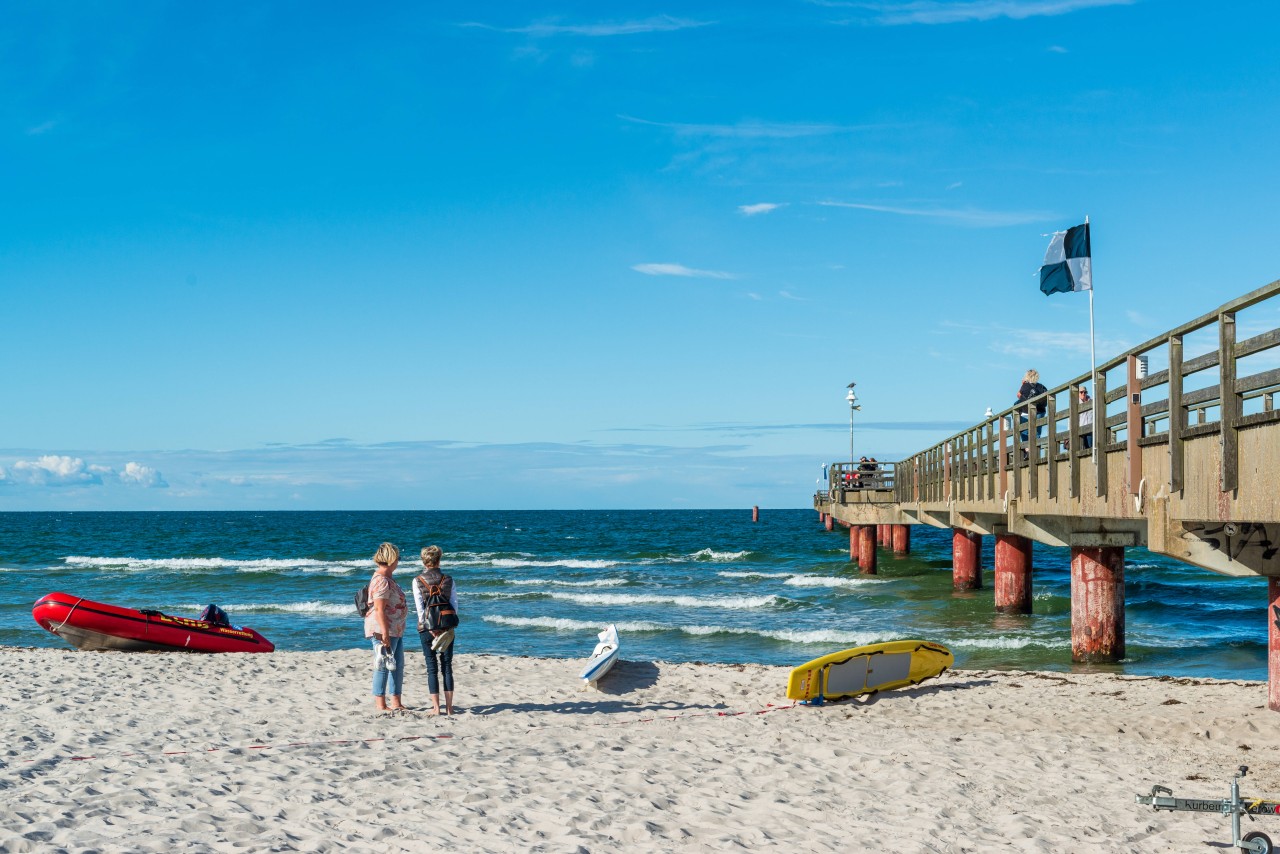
x,y
1067,266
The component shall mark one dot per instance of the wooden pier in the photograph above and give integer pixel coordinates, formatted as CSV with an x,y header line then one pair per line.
x,y
1183,460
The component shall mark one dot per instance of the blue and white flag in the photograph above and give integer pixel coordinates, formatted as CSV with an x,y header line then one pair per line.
x,y
1067,266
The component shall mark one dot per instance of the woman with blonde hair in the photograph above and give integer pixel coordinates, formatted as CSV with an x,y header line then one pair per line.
x,y
384,624
437,644
1030,388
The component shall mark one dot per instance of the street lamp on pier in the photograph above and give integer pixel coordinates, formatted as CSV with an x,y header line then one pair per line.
x,y
853,407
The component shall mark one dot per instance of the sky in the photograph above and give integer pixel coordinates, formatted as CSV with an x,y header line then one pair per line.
x,y
581,255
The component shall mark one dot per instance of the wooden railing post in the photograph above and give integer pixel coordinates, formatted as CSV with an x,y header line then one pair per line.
x,y
1073,442
1101,433
1229,403
1177,418
1051,449
1133,425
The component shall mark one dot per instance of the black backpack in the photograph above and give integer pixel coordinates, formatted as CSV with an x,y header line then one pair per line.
x,y
1042,406
438,614
362,601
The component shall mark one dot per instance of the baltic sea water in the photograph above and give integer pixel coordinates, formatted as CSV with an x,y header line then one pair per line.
x,y
681,585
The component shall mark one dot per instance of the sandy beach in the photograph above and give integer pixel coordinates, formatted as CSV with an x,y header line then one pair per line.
x,y
282,752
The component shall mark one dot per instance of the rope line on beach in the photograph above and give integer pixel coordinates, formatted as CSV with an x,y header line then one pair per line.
x,y
771,707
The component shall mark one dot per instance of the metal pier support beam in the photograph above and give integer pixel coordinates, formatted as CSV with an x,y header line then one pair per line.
x,y
966,547
1273,643
1013,574
867,549
901,539
1097,604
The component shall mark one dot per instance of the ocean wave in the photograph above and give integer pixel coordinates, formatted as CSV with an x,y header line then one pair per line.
x,y
715,556
321,608
136,564
570,563
821,636
1005,642
598,582
732,573
731,602
831,581
567,625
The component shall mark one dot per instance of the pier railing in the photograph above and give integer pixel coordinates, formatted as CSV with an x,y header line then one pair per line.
x,y
1178,450
1216,375
861,480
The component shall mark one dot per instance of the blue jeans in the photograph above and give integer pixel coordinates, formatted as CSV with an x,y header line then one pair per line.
x,y
441,671
389,682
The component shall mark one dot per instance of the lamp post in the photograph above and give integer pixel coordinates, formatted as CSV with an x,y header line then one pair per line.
x,y
853,407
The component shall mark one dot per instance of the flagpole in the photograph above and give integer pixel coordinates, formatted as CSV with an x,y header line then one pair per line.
x,y
1093,363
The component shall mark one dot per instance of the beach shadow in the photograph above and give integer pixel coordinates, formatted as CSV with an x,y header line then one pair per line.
x,y
626,676
588,707
915,691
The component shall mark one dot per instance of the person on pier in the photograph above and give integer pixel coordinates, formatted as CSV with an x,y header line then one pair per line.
x,y
1031,387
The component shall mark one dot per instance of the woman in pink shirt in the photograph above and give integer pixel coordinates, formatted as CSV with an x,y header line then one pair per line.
x,y
385,625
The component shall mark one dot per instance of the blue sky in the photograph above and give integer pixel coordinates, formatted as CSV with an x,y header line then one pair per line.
x,y
523,255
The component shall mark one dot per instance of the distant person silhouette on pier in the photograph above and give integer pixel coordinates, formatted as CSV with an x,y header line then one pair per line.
x,y
1031,387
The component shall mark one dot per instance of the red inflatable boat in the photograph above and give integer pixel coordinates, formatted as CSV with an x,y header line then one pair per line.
x,y
93,625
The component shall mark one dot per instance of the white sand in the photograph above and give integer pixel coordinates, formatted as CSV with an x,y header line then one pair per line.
x,y
974,761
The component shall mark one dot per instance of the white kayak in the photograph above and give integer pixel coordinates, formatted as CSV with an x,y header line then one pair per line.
x,y
602,657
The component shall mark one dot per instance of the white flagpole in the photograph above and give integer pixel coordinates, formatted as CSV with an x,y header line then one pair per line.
x,y
1099,425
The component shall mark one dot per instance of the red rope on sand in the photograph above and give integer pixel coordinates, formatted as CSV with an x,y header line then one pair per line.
x,y
769,708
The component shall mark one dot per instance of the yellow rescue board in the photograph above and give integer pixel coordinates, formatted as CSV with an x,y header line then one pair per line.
x,y
866,669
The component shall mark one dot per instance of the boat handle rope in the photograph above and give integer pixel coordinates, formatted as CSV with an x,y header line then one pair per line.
x,y
69,613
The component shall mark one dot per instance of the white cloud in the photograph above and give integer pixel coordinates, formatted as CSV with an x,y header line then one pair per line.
x,y
942,12
955,185
54,470
680,270
791,296
658,24
137,474
43,128
761,208
962,216
1057,48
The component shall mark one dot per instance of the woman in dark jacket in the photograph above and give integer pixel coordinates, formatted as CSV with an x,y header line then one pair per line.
x,y
437,646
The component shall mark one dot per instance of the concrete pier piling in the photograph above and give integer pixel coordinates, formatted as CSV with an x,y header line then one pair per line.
x,y
829,523
866,548
901,539
1097,604
966,548
1013,574
853,543
1273,643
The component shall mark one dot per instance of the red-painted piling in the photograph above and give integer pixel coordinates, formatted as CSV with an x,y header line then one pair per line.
x,y
901,539
1097,604
755,514
1273,643
867,549
853,542
966,547
1013,574
829,522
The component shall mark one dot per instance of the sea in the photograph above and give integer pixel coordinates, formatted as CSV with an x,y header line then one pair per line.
x,y
680,585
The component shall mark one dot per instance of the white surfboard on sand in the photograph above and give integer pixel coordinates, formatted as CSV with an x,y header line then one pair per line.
x,y
602,657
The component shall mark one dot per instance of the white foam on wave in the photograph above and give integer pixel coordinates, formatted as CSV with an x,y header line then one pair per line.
x,y
598,582
566,625
731,573
569,563
715,556
178,564
831,581
1004,642
732,602
320,608
826,637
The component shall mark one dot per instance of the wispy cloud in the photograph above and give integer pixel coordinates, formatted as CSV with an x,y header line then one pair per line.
x,y
680,270
759,429
751,129
547,29
962,216
1038,345
761,208
42,128
791,296
1057,48
943,12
